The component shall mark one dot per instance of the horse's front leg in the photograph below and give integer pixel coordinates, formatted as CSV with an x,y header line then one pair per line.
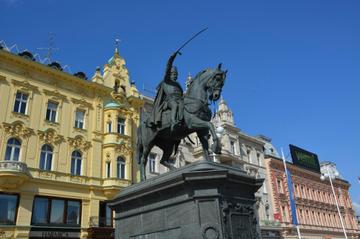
x,y
203,137
200,125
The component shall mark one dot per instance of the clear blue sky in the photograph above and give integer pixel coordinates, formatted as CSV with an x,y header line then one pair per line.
x,y
294,66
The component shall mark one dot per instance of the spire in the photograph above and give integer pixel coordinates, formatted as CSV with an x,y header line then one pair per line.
x,y
188,82
97,78
117,43
224,113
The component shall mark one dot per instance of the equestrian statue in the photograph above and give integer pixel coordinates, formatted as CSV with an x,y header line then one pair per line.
x,y
175,115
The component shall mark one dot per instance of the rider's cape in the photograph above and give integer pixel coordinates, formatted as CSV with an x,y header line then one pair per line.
x,y
159,105
155,118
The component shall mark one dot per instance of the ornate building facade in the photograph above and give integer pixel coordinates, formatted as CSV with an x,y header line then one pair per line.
x,y
315,204
66,146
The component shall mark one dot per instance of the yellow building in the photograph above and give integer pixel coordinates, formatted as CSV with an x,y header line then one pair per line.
x,y
66,146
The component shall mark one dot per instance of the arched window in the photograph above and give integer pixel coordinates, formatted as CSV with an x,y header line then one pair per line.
x,y
76,158
46,157
120,164
13,149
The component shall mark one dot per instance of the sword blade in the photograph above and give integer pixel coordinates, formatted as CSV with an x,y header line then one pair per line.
x,y
197,34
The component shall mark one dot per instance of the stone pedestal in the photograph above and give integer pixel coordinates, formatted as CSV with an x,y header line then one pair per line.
x,y
201,200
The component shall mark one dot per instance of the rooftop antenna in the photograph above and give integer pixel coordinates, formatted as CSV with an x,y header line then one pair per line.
x,y
49,49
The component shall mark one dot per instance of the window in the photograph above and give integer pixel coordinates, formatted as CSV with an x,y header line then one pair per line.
x,y
233,148
46,157
76,163
121,125
248,152
56,211
109,126
51,111
9,204
108,169
73,212
120,168
105,215
79,119
13,150
280,188
21,102
152,158
284,214
258,158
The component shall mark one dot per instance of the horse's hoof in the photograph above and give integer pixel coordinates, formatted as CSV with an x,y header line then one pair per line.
x,y
216,148
168,165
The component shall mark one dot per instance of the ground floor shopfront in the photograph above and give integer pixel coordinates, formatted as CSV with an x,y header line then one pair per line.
x,y
41,216
54,209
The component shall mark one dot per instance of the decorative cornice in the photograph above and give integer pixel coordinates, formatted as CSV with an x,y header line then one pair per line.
x,y
55,93
82,102
50,136
17,129
79,142
25,84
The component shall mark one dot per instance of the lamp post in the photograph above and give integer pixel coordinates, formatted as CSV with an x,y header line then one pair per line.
x,y
332,176
219,133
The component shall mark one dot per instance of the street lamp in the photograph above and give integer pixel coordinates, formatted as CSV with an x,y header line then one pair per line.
x,y
331,177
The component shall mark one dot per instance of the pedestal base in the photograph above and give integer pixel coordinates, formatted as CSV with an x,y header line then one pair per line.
x,y
202,200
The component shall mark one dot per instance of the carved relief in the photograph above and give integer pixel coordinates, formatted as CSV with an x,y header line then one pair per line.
x,y
50,136
55,94
18,129
82,102
123,147
2,78
79,142
240,220
25,85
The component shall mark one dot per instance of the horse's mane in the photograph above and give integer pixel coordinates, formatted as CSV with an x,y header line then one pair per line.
x,y
204,74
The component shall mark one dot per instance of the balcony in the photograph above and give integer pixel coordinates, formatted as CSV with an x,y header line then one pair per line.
x,y
101,228
13,174
112,186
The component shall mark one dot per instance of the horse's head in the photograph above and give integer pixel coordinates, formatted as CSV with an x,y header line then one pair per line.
x,y
215,83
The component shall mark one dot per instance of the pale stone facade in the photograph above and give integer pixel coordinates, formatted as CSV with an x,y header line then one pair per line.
x,y
315,205
63,141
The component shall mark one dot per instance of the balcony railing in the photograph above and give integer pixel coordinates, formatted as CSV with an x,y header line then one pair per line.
x,y
14,166
101,222
13,174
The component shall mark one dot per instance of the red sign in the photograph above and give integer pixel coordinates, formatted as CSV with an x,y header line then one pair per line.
x,y
277,216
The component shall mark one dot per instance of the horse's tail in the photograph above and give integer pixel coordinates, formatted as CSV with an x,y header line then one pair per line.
x,y
139,145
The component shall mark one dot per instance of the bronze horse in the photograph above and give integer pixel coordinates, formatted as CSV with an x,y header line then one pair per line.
x,y
206,86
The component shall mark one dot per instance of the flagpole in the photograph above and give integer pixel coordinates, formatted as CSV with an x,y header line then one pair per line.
x,y
287,176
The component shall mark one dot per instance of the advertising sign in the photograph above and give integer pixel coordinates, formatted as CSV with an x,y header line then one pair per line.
x,y
304,158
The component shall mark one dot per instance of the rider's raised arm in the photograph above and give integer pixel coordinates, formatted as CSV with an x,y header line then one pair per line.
x,y
169,65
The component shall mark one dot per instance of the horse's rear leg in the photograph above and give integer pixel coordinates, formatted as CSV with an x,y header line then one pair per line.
x,y
167,151
143,161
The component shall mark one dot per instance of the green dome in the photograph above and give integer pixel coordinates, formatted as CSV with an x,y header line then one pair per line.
x,y
112,105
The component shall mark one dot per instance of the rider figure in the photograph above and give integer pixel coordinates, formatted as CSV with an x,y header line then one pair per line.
x,y
169,95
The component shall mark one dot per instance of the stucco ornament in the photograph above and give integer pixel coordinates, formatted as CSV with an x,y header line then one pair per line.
x,y
50,136
79,142
17,129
